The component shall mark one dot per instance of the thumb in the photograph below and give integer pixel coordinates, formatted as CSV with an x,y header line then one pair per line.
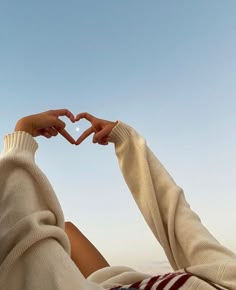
x,y
58,124
101,134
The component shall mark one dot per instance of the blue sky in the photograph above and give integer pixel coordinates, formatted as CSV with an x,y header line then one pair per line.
x,y
167,68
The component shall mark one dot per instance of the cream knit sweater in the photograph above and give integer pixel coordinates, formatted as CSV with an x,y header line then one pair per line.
x,y
35,251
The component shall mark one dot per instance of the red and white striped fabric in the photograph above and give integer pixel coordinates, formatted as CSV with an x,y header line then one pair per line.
x,y
171,281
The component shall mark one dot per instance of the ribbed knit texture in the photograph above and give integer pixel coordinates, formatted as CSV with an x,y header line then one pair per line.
x,y
20,142
35,251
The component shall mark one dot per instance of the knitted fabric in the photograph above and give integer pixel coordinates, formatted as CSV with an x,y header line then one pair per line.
x,y
35,250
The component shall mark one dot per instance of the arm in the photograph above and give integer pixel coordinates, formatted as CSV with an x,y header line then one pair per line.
x,y
187,243
35,250
142,172
150,184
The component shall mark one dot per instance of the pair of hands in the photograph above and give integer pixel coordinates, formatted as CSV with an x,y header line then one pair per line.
x,y
48,124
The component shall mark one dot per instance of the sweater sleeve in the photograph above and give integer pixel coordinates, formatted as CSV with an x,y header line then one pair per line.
x,y
34,248
186,242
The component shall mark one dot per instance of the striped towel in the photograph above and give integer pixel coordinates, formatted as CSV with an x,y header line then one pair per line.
x,y
171,281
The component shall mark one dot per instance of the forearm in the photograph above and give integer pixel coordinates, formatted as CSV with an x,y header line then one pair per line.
x,y
185,240
23,182
147,180
31,221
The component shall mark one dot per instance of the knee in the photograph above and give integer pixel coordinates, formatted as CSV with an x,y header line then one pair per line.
x,y
68,226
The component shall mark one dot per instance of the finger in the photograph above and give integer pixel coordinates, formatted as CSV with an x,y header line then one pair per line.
x,y
100,141
102,134
63,112
86,116
106,139
46,134
103,143
58,124
52,131
85,135
67,136
94,139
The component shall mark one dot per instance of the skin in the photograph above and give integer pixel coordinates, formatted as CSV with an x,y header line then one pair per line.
x,y
48,124
84,254
100,128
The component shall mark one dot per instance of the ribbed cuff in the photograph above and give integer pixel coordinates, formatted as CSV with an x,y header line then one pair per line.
x,y
120,133
20,141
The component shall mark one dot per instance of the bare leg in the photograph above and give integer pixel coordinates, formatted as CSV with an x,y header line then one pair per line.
x,y
87,258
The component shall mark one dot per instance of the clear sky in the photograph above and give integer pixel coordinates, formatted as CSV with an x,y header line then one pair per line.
x,y
167,68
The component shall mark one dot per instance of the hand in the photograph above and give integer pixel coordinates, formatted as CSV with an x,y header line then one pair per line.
x,y
100,128
46,124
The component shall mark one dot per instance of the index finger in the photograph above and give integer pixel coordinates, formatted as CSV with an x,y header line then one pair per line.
x,y
67,136
86,116
82,137
63,112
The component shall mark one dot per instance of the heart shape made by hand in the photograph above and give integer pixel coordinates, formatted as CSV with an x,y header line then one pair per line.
x,y
73,131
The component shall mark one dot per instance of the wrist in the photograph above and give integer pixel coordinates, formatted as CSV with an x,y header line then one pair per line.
x,y
24,125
